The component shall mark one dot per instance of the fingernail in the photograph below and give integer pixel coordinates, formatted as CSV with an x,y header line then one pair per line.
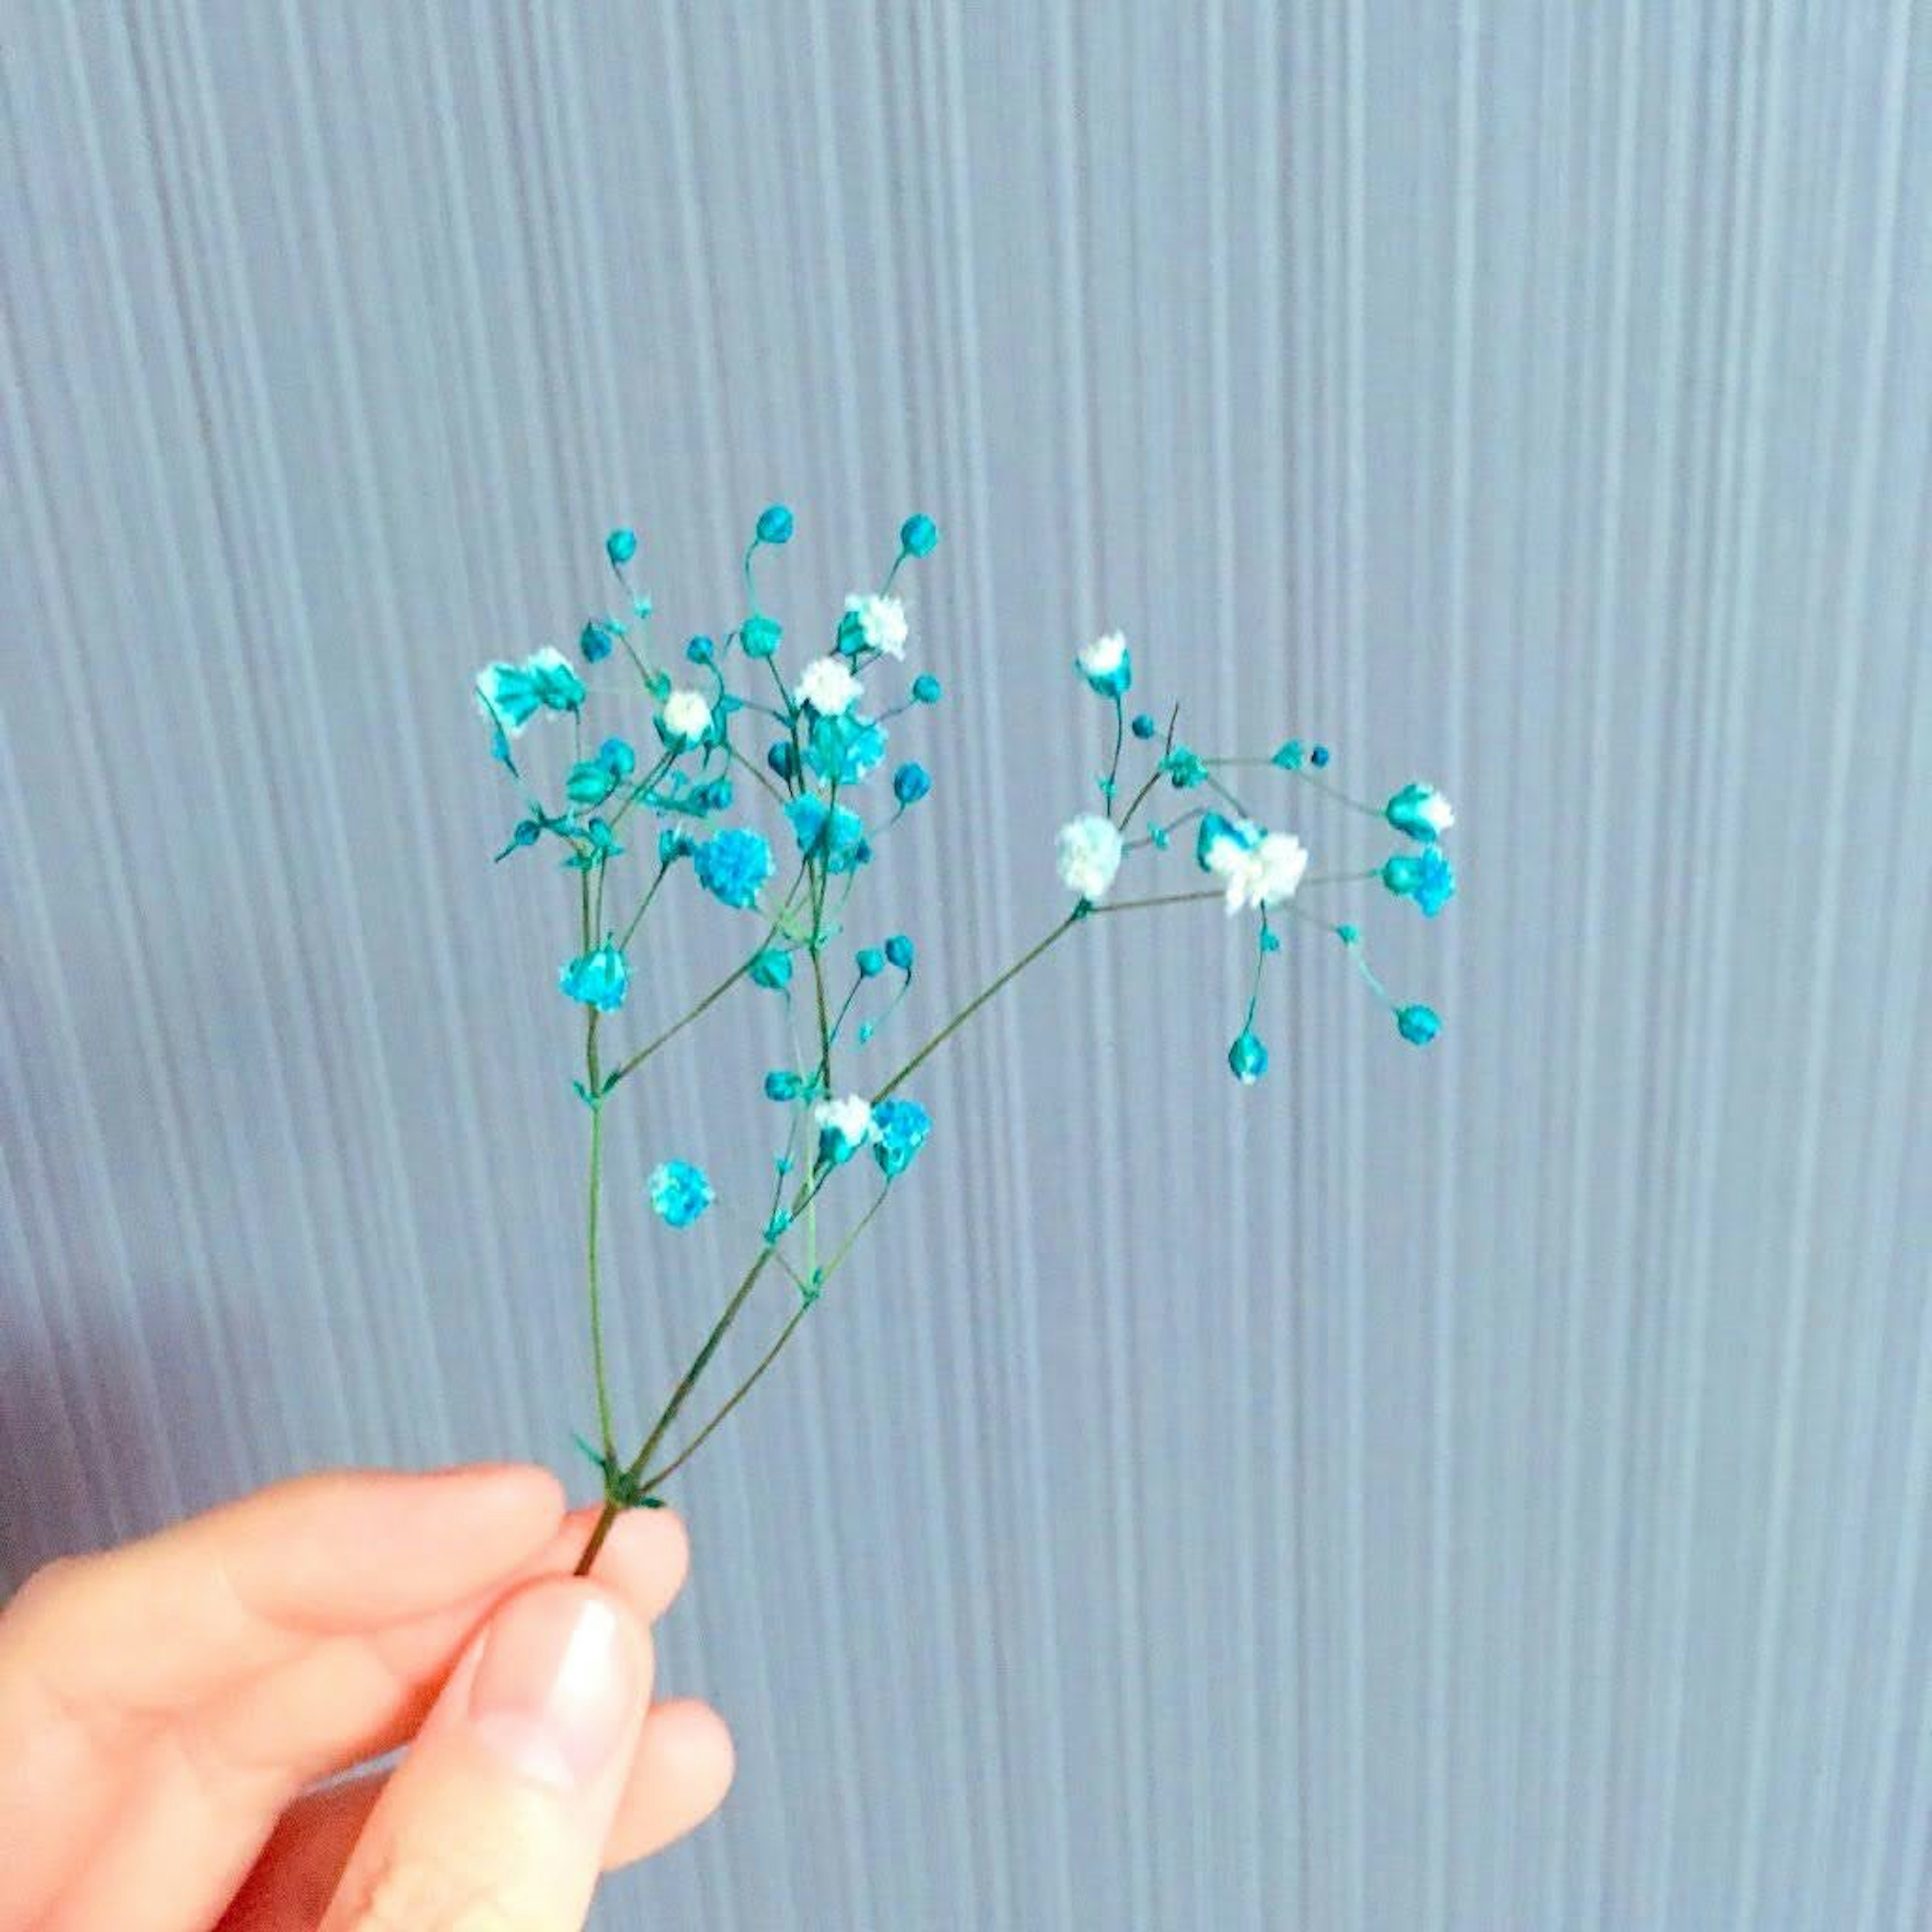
x,y
556,1689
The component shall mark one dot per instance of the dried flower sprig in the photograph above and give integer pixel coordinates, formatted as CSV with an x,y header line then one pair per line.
x,y
825,743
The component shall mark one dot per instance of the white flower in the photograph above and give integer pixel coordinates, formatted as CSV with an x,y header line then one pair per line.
x,y
847,1125
1104,656
687,717
882,622
1259,868
1434,811
829,687
1088,851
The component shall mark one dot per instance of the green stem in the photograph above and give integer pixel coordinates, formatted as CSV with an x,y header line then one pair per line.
x,y
607,1429
744,1389
806,1198
771,1354
671,1033
980,998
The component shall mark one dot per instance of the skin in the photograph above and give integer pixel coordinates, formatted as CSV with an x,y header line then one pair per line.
x,y
166,1707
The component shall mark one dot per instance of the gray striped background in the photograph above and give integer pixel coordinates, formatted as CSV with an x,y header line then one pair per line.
x,y
1484,1488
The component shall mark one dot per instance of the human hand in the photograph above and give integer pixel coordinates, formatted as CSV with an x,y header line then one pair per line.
x,y
165,1706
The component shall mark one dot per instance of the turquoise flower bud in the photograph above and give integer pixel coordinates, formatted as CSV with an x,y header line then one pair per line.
x,y
782,757
898,950
772,970
1427,877
871,962
674,844
902,1127
1247,1059
1418,1025
525,832
1420,812
911,783
595,642
781,1083
600,978
700,650
1290,755
926,689
761,635
1143,727
620,546
775,524
679,1192
588,783
918,535
616,756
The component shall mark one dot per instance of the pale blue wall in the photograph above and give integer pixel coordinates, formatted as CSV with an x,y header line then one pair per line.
x,y
1480,1490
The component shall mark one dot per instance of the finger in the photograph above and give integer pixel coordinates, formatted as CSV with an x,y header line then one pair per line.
x,y
360,1697
201,1800
244,1585
681,1770
499,1812
100,1655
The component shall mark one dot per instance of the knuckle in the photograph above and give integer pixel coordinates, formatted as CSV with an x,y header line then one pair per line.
x,y
413,1890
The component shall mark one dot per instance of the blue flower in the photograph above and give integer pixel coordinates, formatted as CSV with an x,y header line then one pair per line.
x,y
599,979
843,748
616,758
511,694
839,836
911,782
902,1127
1247,1059
679,1192
772,970
1421,811
1185,768
733,865
1426,876
1418,1025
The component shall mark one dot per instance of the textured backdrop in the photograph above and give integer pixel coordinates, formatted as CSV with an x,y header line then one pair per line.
x,y
1483,1489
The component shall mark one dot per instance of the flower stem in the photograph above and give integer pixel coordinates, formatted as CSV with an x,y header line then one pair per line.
x,y
606,1429
806,1198
979,999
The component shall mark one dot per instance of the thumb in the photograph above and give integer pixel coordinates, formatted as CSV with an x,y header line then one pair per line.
x,y
498,1816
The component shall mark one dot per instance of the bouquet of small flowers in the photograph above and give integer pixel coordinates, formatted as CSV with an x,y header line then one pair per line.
x,y
810,751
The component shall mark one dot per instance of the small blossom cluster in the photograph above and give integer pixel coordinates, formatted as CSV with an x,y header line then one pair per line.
x,y
768,780
1256,867
812,743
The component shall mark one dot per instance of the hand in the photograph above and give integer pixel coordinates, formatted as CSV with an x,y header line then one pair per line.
x,y
165,1707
